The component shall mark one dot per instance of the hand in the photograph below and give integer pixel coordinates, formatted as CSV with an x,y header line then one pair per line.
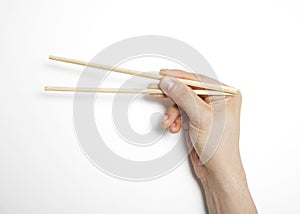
x,y
211,125
212,121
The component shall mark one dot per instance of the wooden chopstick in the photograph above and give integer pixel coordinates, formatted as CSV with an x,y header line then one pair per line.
x,y
208,86
106,67
128,90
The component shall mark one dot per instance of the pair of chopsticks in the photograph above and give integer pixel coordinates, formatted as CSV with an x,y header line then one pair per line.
x,y
204,88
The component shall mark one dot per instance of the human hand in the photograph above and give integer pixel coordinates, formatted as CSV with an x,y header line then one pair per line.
x,y
211,125
212,121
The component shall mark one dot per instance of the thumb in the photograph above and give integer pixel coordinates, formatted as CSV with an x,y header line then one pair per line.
x,y
184,97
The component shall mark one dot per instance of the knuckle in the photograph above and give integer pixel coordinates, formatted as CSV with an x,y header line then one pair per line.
x,y
173,111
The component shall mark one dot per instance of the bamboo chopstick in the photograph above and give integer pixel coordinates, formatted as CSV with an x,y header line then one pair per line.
x,y
127,90
106,67
208,86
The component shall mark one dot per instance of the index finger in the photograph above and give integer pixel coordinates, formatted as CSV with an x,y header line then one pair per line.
x,y
187,75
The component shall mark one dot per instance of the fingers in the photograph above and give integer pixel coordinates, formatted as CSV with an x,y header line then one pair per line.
x,y
187,75
197,77
175,127
178,74
184,97
172,119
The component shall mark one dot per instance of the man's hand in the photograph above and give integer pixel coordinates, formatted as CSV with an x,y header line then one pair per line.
x,y
211,125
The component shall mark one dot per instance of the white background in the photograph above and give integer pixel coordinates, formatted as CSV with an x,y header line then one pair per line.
x,y
252,45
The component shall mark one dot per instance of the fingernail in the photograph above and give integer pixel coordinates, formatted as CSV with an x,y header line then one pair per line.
x,y
166,84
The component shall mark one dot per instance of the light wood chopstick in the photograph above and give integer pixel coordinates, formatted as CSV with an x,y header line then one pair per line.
x,y
208,86
127,90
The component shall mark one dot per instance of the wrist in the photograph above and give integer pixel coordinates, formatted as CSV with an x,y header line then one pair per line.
x,y
225,189
227,176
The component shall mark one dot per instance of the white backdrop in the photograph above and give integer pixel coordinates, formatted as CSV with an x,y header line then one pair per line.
x,y
252,45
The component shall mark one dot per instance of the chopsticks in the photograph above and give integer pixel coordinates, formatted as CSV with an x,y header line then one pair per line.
x,y
126,90
204,88
221,88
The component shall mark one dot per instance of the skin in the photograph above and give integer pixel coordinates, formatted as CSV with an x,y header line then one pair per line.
x,y
215,154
